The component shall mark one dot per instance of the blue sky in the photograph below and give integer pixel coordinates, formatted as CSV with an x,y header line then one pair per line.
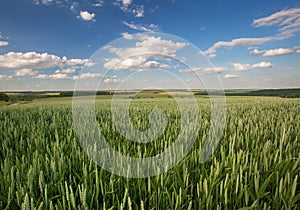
x,y
44,44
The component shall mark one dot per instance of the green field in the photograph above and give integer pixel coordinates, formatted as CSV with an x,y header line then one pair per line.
x,y
255,166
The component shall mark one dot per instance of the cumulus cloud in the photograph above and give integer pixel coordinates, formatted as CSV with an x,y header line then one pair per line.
x,y
66,71
141,27
112,80
151,44
279,51
85,15
230,76
276,52
76,62
246,67
262,65
53,76
147,43
126,2
241,67
28,60
42,76
5,77
134,63
288,22
3,43
24,72
205,70
87,76
58,75
33,60
127,36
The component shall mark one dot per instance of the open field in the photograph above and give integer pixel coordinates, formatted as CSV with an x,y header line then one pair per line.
x,y
256,165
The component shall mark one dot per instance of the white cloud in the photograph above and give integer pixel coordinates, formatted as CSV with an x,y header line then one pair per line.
x,y
42,76
85,15
59,75
73,8
126,2
282,18
87,76
154,44
24,72
112,80
276,52
246,67
53,76
3,43
230,76
141,27
75,62
241,67
236,42
262,65
134,63
33,60
279,51
288,22
126,6
5,77
150,44
211,55
256,52
205,70
66,71
297,49
89,64
44,2
127,36
100,3
139,11
28,60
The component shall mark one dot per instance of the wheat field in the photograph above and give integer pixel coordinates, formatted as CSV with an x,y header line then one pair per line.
x,y
255,166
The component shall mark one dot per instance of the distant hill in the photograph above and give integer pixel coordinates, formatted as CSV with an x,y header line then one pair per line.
x,y
284,93
29,96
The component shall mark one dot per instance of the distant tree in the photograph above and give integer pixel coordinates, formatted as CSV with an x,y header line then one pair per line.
x,y
66,94
4,97
103,92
